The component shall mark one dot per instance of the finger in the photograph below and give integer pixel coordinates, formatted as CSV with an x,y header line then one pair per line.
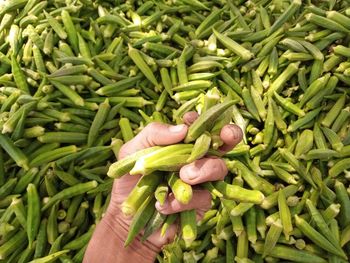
x,y
154,134
190,117
168,237
203,170
123,186
231,135
201,200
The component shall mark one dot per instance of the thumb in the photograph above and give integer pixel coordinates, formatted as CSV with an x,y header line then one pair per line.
x,y
152,135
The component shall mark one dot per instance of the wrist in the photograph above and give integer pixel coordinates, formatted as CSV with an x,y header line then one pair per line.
x,y
108,239
121,227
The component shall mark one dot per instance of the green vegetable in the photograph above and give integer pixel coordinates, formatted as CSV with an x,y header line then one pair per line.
x,y
77,78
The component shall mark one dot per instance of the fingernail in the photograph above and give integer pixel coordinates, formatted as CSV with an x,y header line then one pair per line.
x,y
191,174
177,128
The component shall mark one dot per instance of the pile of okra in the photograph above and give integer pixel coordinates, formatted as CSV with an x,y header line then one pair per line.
x,y
78,78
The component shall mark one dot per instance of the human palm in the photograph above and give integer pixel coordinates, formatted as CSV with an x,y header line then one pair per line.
x,y
202,170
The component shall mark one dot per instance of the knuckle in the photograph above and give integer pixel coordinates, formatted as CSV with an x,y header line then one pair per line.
x,y
190,117
223,167
216,170
152,126
148,133
207,198
155,126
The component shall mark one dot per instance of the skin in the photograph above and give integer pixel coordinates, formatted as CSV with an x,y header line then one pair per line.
x,y
106,244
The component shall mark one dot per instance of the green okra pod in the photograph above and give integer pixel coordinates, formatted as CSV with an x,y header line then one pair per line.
x,y
14,151
98,121
161,193
163,159
272,237
238,193
169,220
188,226
143,189
285,215
33,213
344,200
124,165
317,238
181,190
233,46
70,192
200,147
206,121
288,253
321,224
140,219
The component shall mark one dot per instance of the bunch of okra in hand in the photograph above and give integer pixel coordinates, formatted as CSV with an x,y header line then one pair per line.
x,y
160,165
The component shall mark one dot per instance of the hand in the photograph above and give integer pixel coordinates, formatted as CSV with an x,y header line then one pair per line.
x,y
114,226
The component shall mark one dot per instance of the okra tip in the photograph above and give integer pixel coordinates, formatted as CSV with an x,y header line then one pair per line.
x,y
127,210
24,164
6,129
79,102
139,168
111,172
185,197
